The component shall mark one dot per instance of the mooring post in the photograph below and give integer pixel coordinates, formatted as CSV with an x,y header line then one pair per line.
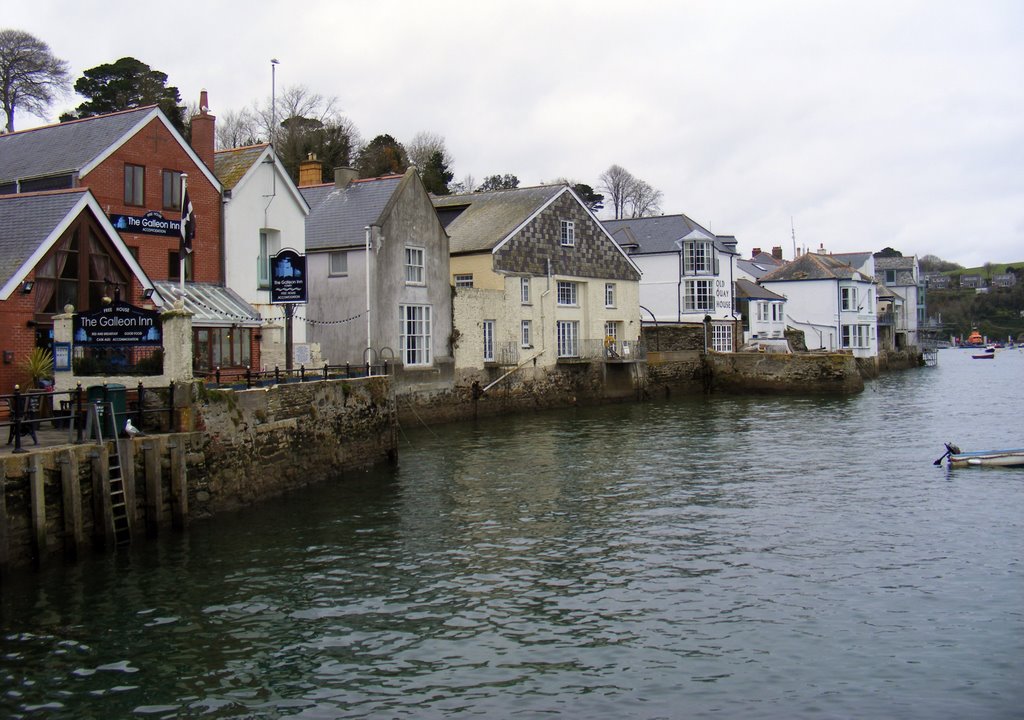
x,y
179,484
154,489
102,515
5,530
37,493
72,493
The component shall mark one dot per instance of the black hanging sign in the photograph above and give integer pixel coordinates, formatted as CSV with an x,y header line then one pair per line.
x,y
288,277
152,223
118,324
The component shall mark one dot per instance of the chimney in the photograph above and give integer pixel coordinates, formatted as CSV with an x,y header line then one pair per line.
x,y
311,171
777,252
204,131
344,175
755,252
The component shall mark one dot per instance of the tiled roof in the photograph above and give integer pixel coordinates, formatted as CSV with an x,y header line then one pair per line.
x,y
231,165
26,221
662,234
812,266
338,216
490,217
66,147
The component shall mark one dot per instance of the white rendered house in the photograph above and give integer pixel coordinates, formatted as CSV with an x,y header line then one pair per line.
x,y
263,213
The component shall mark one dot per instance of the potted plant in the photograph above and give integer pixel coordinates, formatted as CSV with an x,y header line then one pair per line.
x,y
39,366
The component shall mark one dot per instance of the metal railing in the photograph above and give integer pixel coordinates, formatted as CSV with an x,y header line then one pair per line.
x,y
27,411
246,378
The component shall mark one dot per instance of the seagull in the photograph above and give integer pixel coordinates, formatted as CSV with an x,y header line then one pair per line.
x,y
130,429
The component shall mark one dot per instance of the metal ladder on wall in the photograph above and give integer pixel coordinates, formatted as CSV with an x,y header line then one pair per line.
x,y
101,414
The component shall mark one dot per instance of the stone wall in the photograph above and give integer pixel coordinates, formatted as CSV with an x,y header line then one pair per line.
x,y
241,447
784,373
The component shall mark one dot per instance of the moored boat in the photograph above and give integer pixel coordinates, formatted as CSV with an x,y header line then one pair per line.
x,y
982,458
984,356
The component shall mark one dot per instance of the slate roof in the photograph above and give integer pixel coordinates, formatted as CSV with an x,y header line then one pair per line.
x,y
64,148
854,259
338,216
904,267
661,234
754,268
746,290
812,266
231,165
26,221
490,217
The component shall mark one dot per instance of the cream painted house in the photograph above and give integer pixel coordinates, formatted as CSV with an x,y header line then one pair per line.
x,y
538,282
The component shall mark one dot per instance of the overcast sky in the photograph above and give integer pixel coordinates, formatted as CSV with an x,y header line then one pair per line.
x,y
863,124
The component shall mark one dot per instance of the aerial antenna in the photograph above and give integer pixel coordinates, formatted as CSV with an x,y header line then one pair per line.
x,y
792,230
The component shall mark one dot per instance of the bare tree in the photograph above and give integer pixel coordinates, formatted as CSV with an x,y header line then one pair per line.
x,y
423,145
630,196
31,78
644,200
466,185
238,129
617,183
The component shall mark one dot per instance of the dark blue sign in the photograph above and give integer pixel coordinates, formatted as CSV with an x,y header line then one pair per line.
x,y
118,324
152,223
288,277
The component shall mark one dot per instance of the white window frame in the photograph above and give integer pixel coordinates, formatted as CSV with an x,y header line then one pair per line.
x,y
568,294
721,337
848,298
609,295
698,257
332,270
777,312
270,244
488,333
464,280
694,301
762,311
414,334
526,334
524,290
568,334
415,259
568,238
611,330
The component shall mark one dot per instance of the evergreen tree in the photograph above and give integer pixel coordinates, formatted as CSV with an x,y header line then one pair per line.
x,y
436,175
124,85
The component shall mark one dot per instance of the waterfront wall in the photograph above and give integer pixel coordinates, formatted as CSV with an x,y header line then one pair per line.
x,y
237,448
834,373
527,389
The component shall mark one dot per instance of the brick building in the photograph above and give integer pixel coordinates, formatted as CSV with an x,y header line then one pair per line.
x,y
133,162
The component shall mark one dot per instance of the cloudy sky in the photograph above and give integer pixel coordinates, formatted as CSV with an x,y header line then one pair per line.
x,y
860,124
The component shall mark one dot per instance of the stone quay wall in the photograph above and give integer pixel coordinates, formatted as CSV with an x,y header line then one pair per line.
x,y
797,373
239,447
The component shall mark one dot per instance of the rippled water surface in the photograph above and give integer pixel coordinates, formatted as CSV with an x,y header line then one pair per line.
x,y
696,557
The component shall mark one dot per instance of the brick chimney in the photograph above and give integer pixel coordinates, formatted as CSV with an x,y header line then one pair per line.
x,y
344,175
777,252
311,171
755,252
204,131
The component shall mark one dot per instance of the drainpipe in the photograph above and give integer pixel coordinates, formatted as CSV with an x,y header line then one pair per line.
x,y
679,287
368,343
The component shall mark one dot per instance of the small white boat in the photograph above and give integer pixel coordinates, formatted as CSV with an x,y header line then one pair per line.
x,y
982,458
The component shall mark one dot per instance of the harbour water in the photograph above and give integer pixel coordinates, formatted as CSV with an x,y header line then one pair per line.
x,y
685,558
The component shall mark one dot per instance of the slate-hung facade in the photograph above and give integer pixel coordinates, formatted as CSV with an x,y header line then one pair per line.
x,y
537,279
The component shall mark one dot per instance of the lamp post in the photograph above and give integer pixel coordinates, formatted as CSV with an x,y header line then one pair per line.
x,y
273,98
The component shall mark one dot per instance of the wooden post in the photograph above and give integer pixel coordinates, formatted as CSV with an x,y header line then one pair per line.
x,y
102,517
154,489
72,491
179,483
37,493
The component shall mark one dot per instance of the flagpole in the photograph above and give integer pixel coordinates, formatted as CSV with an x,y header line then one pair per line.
x,y
181,243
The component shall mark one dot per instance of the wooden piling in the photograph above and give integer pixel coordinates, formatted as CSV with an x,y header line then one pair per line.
x,y
5,531
179,484
72,493
154,491
37,493
126,449
103,518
